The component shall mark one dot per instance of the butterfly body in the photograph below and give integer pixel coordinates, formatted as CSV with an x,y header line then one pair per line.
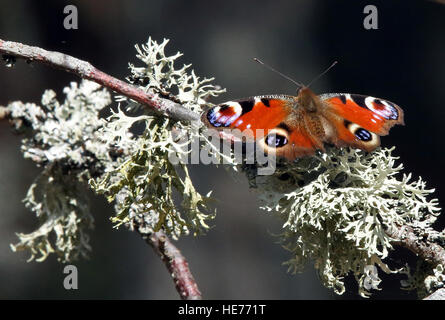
x,y
296,126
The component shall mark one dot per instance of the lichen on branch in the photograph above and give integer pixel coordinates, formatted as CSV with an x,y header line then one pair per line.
x,y
62,138
147,183
336,208
75,145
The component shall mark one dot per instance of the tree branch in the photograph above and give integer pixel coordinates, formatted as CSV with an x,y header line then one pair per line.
x,y
405,236
176,264
86,70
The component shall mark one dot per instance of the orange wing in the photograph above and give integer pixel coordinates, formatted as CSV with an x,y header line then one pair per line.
x,y
372,114
264,117
262,112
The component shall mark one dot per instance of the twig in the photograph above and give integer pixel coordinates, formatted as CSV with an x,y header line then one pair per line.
x,y
176,264
85,70
406,237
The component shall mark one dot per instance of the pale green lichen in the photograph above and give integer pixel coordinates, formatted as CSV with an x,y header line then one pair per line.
x,y
436,280
147,182
159,75
426,278
336,207
75,145
63,139
60,204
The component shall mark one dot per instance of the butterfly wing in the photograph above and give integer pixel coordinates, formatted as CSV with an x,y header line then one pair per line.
x,y
254,113
266,120
373,114
359,120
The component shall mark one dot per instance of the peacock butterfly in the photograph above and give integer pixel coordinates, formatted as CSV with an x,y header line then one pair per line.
x,y
296,126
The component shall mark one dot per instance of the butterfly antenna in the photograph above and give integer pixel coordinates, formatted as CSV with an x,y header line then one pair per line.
x,y
322,74
281,74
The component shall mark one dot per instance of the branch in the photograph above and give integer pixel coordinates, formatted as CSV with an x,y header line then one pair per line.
x,y
85,70
176,264
406,237
429,251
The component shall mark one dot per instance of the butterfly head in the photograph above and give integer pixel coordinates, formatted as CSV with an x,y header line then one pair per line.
x,y
307,99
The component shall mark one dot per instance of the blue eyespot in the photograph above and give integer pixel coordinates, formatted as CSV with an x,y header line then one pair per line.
x,y
276,140
363,135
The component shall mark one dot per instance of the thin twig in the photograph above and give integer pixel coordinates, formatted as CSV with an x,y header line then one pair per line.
x,y
86,70
176,264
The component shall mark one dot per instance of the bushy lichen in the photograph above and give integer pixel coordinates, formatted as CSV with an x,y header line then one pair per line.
x,y
436,280
63,139
75,145
336,207
62,207
159,75
147,183
64,133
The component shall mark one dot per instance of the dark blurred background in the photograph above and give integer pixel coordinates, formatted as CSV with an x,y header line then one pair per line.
x,y
401,61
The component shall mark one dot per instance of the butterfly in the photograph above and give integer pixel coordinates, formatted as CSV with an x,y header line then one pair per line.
x,y
297,126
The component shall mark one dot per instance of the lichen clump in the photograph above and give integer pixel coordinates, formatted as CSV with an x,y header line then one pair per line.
x,y
79,149
336,207
146,183
62,138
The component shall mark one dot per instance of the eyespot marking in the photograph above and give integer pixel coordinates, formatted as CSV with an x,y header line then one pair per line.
x,y
276,140
284,126
360,133
224,115
383,108
363,135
